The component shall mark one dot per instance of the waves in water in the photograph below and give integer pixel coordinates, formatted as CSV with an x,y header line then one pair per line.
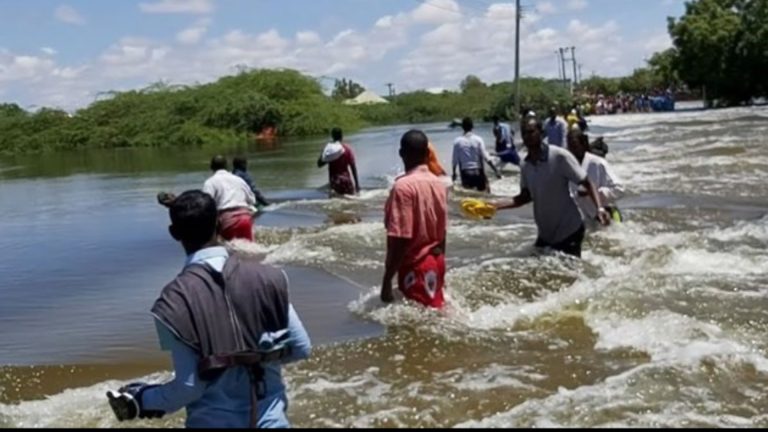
x,y
661,325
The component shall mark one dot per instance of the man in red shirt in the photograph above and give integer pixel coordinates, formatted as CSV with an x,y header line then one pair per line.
x,y
416,218
339,166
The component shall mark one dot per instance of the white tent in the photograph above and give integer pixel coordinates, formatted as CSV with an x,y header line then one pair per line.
x,y
366,97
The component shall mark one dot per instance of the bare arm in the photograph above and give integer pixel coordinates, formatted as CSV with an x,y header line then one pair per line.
x,y
396,248
518,201
602,215
354,174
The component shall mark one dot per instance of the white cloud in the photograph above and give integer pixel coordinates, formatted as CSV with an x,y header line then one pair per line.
x,y
178,7
658,42
49,51
417,48
68,14
437,12
546,8
576,4
193,34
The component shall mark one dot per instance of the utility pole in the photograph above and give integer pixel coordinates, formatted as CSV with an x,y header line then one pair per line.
x,y
559,66
391,89
581,77
562,62
517,58
573,59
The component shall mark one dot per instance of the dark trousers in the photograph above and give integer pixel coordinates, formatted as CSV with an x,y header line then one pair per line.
x,y
569,246
474,179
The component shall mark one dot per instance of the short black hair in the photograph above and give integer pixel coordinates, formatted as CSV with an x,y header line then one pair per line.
x,y
467,124
532,123
240,163
194,216
218,162
496,119
414,144
337,134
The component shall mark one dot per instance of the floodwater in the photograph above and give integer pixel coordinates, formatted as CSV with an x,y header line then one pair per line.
x,y
662,324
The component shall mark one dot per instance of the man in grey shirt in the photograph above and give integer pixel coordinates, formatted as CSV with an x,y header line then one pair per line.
x,y
544,180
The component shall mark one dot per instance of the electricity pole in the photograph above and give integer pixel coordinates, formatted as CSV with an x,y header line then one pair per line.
x,y
562,62
517,58
391,90
573,59
559,66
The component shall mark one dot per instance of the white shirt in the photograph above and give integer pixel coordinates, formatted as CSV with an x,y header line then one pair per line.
x,y
607,183
469,152
229,191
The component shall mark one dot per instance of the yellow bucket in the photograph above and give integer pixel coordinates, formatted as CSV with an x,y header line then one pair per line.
x,y
478,209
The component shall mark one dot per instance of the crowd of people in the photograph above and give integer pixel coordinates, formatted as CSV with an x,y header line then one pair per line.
x,y
227,319
622,103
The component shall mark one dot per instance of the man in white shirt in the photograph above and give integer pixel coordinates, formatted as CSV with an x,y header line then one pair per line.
x,y
469,153
234,199
608,185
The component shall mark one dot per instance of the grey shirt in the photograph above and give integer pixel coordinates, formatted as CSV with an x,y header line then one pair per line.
x,y
556,213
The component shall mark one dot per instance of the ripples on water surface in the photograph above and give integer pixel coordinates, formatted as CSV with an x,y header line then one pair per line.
x,y
662,324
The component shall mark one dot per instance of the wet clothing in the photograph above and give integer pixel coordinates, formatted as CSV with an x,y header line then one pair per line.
x,y
548,181
474,179
416,210
506,137
608,185
571,245
234,199
225,401
246,176
339,174
469,152
236,223
229,191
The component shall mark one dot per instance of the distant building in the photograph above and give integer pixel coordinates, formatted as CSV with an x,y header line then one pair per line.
x,y
366,98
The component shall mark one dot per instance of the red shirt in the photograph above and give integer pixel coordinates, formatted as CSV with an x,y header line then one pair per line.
x,y
416,210
340,167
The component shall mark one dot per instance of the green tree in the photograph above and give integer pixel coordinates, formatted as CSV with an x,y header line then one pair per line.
x,y
472,83
720,46
346,89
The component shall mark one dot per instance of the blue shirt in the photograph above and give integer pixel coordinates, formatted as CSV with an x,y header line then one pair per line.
x,y
556,131
225,402
505,140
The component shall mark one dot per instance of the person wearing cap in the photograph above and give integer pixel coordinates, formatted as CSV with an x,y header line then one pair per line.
x,y
609,187
545,179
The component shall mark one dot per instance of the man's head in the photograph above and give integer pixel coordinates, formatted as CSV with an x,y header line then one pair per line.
x,y
336,135
552,112
240,163
532,134
414,148
467,124
578,142
496,120
218,162
193,220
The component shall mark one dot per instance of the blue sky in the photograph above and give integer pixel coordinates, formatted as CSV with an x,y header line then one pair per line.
x,y
62,53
